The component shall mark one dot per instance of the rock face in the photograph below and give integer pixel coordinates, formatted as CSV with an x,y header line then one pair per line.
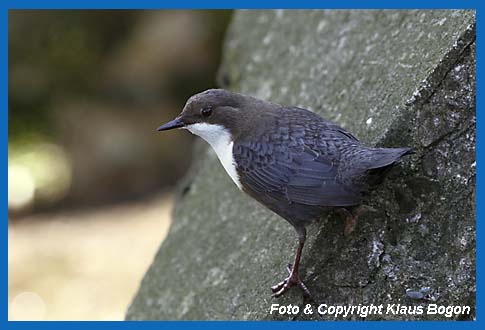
x,y
394,79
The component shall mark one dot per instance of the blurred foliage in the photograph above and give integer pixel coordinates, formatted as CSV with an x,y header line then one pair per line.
x,y
86,91
94,85
56,55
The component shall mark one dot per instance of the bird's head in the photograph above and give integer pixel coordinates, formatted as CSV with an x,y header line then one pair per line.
x,y
215,112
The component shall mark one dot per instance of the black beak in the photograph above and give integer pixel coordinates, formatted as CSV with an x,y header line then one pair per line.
x,y
176,123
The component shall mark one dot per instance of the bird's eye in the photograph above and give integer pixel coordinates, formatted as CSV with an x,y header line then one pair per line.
x,y
206,112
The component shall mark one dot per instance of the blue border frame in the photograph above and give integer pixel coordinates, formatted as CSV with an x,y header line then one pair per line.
x,y
248,4
5,5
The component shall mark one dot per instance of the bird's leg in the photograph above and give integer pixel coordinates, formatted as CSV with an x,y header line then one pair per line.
x,y
294,278
352,216
350,220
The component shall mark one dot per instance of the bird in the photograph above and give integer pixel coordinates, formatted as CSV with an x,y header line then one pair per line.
x,y
289,159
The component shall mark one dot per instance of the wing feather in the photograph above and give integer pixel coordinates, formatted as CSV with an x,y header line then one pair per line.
x,y
300,174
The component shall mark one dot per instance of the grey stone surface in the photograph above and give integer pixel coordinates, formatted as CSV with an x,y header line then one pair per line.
x,y
394,78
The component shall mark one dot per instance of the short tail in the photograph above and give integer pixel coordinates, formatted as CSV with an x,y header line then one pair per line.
x,y
384,160
383,157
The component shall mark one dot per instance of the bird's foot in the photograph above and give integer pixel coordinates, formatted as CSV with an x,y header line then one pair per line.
x,y
351,218
350,224
292,280
350,221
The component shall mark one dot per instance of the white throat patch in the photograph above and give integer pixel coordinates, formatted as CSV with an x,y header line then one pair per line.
x,y
220,140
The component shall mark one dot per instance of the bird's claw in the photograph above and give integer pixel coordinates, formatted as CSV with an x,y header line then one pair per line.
x,y
350,223
276,288
292,280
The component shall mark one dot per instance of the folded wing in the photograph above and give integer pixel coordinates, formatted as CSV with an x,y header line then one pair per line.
x,y
297,174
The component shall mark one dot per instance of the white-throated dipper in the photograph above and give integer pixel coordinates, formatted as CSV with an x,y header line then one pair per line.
x,y
289,159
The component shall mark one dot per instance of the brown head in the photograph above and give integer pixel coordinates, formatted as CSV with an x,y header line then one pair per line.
x,y
218,109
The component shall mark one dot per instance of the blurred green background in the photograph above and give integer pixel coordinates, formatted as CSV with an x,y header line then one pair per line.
x,y
90,180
